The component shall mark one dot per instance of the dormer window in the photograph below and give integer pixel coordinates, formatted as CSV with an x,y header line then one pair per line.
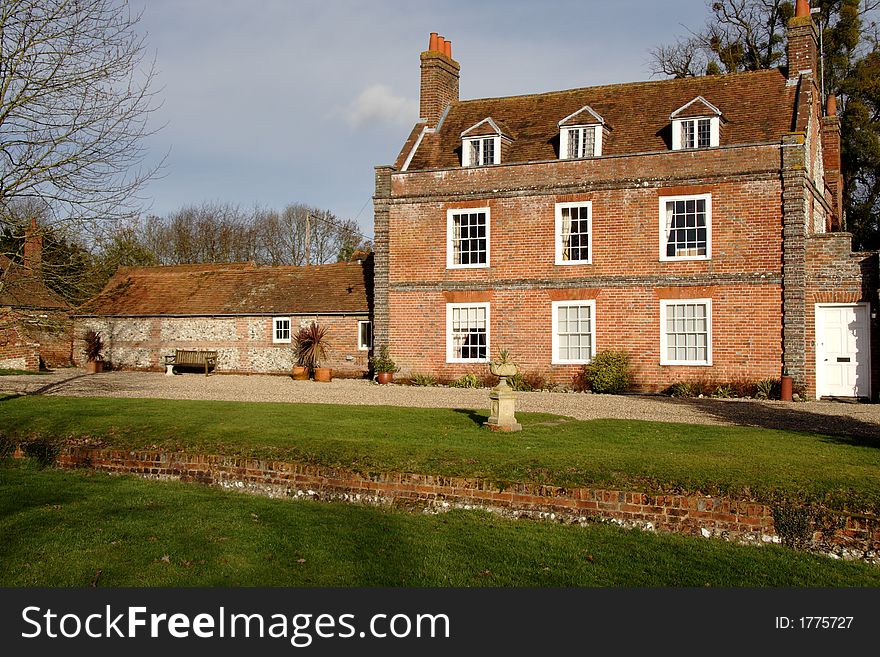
x,y
581,135
580,142
482,144
696,133
481,151
696,125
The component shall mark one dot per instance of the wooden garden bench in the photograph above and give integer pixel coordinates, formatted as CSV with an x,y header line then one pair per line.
x,y
191,358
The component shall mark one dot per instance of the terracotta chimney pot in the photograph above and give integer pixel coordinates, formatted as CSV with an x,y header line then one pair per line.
x,y
441,44
831,105
449,49
432,42
803,8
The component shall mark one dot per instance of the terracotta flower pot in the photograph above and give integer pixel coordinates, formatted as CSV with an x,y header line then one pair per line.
x,y
384,377
95,366
300,373
323,374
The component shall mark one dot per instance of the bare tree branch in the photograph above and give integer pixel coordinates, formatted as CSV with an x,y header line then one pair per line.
x,y
75,99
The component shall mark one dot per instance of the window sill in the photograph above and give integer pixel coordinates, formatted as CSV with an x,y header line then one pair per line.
x,y
467,266
568,263
684,258
684,363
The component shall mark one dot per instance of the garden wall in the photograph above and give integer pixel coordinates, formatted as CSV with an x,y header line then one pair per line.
x,y
844,535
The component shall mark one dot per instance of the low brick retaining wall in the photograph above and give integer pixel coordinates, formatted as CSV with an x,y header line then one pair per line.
x,y
844,535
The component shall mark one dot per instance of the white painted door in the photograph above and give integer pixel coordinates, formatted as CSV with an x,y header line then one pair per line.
x,y
843,351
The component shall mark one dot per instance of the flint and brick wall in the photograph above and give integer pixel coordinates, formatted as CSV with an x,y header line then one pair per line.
x,y
626,278
858,536
244,344
27,336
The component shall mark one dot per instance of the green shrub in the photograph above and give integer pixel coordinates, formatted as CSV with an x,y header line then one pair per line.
x,y
793,524
528,381
608,372
681,389
43,450
743,388
419,379
724,391
768,389
7,446
470,380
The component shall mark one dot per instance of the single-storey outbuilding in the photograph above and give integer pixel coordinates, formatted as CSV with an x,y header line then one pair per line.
x,y
247,313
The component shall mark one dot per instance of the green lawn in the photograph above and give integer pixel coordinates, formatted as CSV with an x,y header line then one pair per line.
x,y
648,456
63,528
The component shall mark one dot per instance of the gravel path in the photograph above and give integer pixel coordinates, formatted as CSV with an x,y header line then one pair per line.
x,y
832,418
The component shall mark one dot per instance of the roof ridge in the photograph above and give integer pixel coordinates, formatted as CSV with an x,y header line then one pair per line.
x,y
618,85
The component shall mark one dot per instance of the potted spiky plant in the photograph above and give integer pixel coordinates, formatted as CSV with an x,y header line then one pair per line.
x,y
94,345
311,348
502,366
383,366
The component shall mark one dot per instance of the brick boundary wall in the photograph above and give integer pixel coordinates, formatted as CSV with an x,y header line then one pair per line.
x,y
857,536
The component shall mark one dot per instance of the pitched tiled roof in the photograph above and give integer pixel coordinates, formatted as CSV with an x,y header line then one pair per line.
x,y
758,107
24,288
233,289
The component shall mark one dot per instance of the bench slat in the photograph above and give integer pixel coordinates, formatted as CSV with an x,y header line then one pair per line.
x,y
190,357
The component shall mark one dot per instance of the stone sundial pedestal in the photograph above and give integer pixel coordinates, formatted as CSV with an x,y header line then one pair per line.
x,y
503,400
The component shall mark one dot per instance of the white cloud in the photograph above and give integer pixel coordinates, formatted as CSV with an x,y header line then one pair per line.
x,y
378,104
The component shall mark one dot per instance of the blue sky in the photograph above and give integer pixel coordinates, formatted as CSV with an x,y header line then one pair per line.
x,y
270,102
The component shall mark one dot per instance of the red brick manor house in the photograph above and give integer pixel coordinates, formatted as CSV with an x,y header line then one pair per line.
x,y
696,223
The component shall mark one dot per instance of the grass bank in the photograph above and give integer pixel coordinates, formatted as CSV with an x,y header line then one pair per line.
x,y
80,529
648,456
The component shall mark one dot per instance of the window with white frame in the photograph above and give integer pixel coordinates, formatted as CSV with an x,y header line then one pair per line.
x,y
573,233
686,227
281,329
467,233
686,332
467,332
580,142
481,151
365,335
696,133
574,331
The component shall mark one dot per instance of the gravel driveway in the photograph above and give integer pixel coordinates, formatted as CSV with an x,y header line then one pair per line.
x,y
833,418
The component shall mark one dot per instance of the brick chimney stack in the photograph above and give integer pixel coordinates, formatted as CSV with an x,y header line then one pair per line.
x,y
803,43
832,163
33,247
440,75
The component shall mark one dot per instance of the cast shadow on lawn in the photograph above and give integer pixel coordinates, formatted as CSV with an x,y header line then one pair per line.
x,y
840,428
478,417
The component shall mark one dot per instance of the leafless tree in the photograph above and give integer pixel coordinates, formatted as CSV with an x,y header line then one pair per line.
x,y
75,99
745,35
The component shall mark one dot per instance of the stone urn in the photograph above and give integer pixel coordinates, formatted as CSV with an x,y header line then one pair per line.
x,y
502,399
503,370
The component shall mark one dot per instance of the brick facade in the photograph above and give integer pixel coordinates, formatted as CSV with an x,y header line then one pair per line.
x,y
773,188
35,327
31,337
